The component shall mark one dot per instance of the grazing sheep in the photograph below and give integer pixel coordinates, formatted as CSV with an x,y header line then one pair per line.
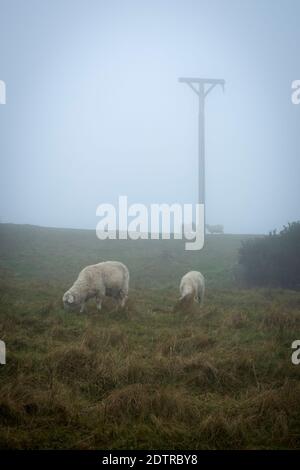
x,y
192,286
109,278
215,228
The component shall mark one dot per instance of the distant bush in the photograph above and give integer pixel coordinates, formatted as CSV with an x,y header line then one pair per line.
x,y
273,260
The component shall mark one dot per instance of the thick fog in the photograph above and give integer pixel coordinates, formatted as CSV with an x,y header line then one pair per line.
x,y
94,109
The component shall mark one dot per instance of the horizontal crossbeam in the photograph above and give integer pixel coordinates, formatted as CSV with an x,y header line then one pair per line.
x,y
211,81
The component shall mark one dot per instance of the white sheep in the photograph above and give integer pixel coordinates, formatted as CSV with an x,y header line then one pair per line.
x,y
215,228
109,278
192,287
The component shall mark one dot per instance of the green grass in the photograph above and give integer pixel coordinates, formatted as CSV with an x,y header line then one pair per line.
x,y
49,254
219,377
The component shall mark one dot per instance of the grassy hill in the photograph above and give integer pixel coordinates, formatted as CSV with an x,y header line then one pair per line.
x,y
58,254
146,377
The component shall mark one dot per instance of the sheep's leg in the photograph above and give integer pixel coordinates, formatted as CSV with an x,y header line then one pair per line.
x,y
82,307
99,303
123,296
123,301
100,294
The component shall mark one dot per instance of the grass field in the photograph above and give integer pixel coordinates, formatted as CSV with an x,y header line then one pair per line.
x,y
219,377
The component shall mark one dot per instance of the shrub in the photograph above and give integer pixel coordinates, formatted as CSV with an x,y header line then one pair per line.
x,y
273,260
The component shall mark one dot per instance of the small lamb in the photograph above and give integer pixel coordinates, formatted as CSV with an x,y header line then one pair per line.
x,y
192,287
109,278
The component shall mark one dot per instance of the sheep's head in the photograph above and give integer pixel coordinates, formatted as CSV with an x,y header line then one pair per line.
x,y
70,300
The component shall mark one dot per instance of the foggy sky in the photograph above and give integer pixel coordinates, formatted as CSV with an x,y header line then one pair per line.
x,y
94,109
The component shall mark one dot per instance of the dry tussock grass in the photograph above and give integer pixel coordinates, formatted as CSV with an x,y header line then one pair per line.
x,y
143,400
186,344
282,320
217,377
